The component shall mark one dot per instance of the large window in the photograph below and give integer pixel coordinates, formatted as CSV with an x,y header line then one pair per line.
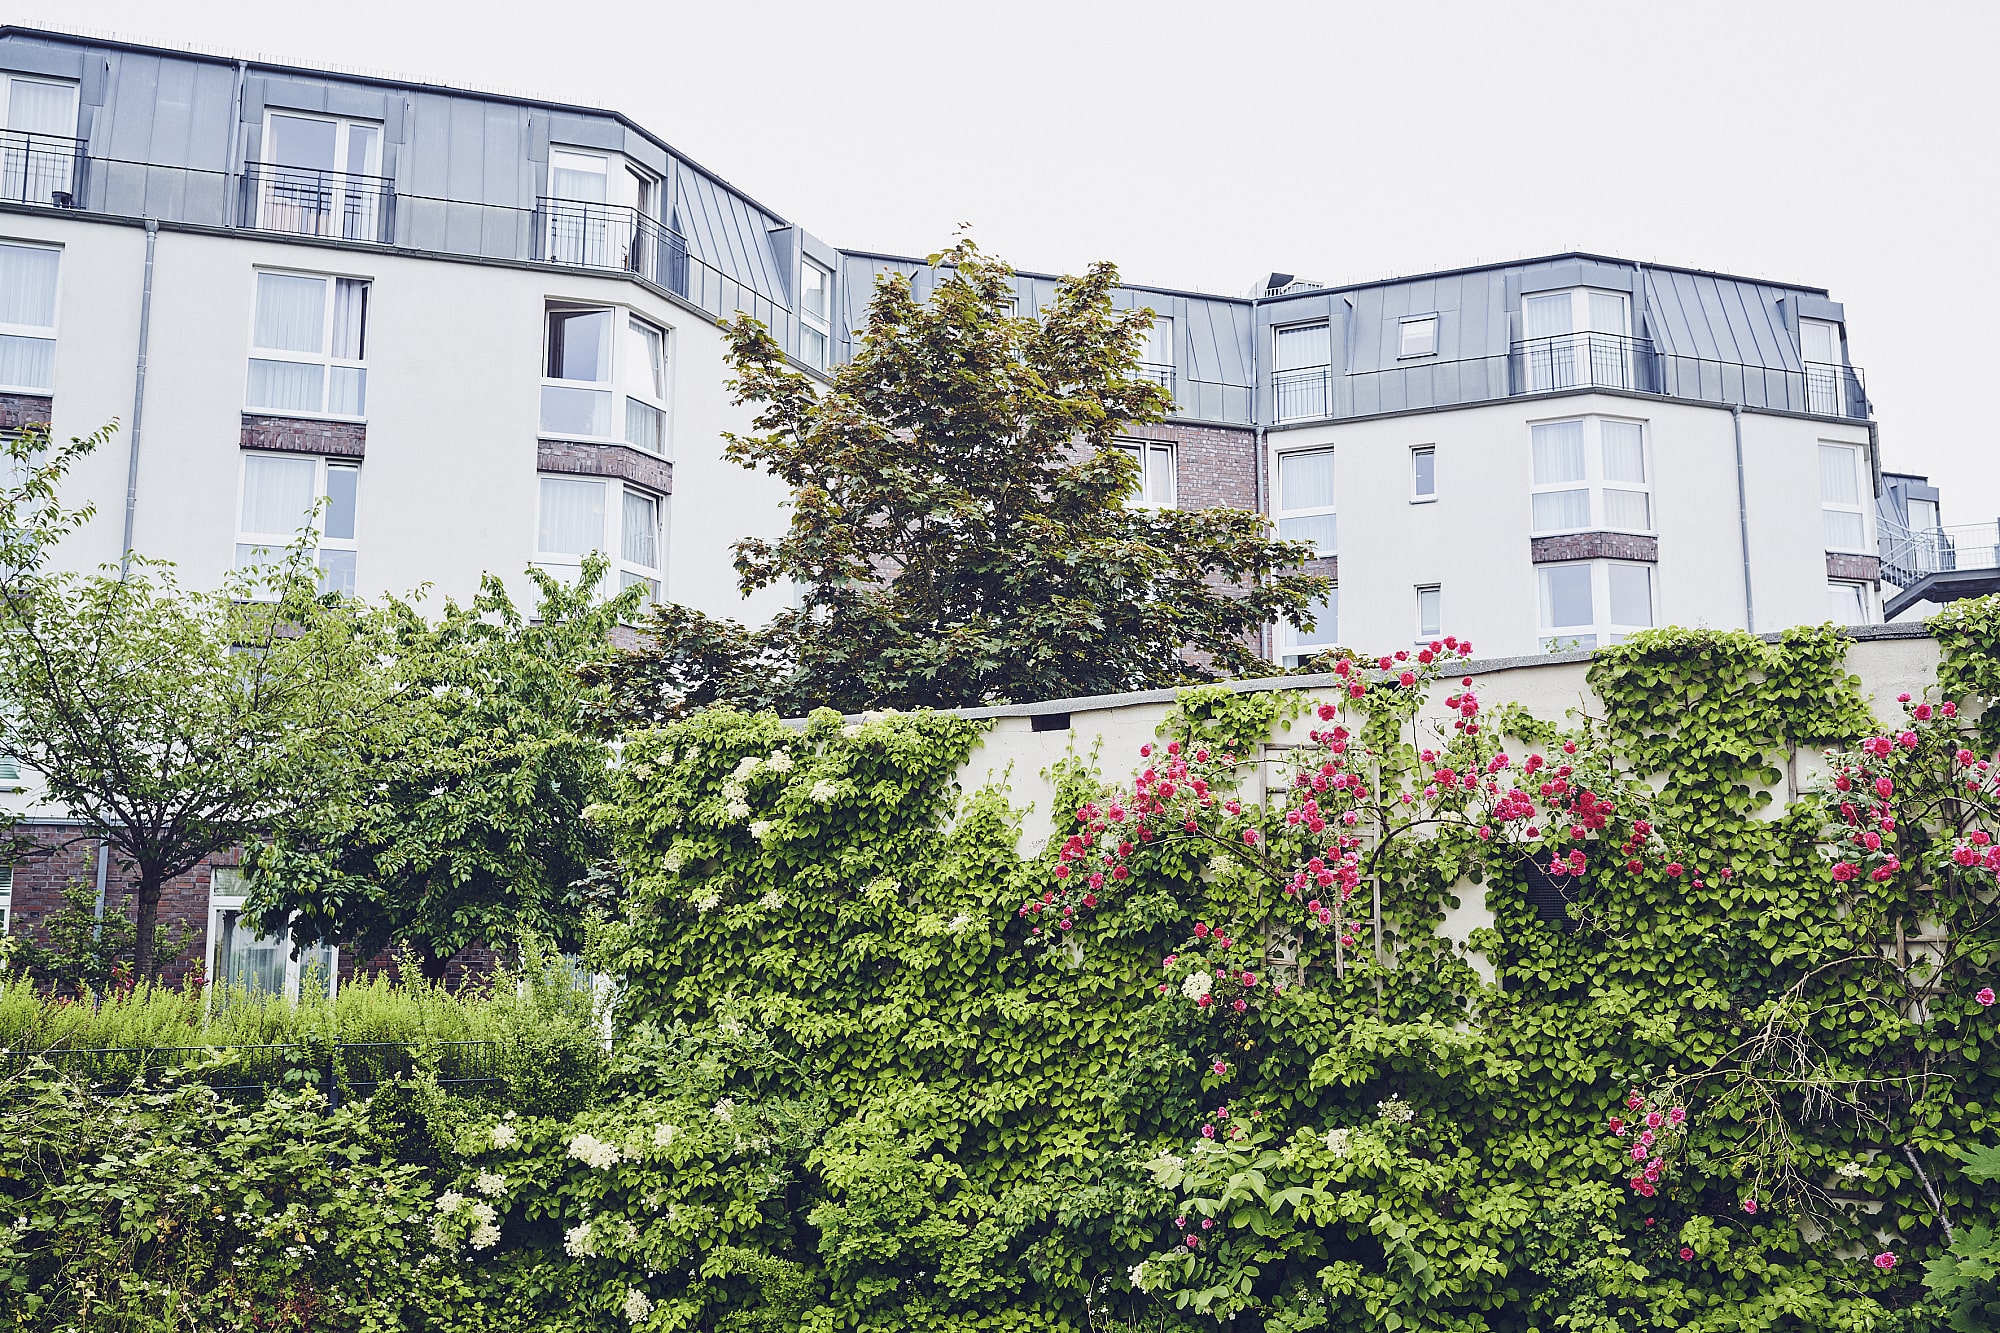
x,y
28,317
1590,473
309,346
241,959
1840,491
321,176
1156,473
582,515
1305,500
38,148
1594,602
587,369
1302,371
815,313
1156,359
1577,338
285,495
1296,644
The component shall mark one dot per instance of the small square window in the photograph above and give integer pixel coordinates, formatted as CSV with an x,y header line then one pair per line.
x,y
1419,336
1423,473
1430,612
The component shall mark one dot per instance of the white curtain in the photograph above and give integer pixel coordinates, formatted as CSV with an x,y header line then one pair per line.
x,y
641,531
42,108
291,313
651,372
1566,597
1624,451
1607,313
1838,483
1558,452
572,517
287,386
1632,596
1305,480
277,495
1160,341
27,363
577,176
28,286
1549,315
1630,511
350,319
1561,511
1304,345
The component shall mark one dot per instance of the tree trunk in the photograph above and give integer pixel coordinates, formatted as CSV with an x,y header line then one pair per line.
x,y
150,883
431,963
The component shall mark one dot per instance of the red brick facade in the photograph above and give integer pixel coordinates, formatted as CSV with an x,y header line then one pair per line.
x,y
22,409
1214,466
1593,546
293,435
1866,568
606,460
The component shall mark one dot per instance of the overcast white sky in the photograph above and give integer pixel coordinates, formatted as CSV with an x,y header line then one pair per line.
x,y
1841,145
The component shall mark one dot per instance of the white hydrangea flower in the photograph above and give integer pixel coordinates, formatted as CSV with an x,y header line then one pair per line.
x,y
724,1110
483,1212
961,922
708,902
1197,985
667,756
779,762
663,1135
675,858
851,730
1337,1141
505,1135
637,1305
1395,1111
1850,1170
593,1152
825,791
449,1201
577,1243
732,790
738,810
485,1236
760,828
489,1183
746,767
772,900
1137,1272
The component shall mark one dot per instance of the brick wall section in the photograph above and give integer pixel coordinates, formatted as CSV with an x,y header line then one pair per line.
x,y
1594,546
606,460
293,435
1867,568
23,409
1214,466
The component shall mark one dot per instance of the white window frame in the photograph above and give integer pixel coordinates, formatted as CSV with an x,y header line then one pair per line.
x,y
1594,480
1426,631
363,209
1420,497
1280,513
1864,597
36,332
21,158
1554,365
1145,453
1858,457
221,902
628,378
568,564
1425,330
6,900
1296,645
1602,631
274,544
1159,339
1309,385
324,358
810,324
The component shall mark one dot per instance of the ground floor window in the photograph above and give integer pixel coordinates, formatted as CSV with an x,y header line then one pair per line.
x,y
1296,644
241,958
1590,603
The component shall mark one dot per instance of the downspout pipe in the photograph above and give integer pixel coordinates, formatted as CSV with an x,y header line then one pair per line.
x,y
1743,519
138,401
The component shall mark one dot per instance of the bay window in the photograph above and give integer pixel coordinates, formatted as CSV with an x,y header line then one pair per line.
x,y
588,367
286,496
1590,473
581,516
1306,500
28,317
1589,603
309,345
1847,602
1840,490
1577,338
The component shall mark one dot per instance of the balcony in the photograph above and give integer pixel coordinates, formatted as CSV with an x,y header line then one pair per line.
x,y
1938,564
39,169
1162,375
302,201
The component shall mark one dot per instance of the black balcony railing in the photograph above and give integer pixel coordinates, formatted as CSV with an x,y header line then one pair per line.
x,y
1161,375
612,236
305,202
39,168
1585,360
1302,394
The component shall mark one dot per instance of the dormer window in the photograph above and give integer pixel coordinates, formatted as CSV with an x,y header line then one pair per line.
x,y
1418,336
815,313
321,177
38,149
1579,338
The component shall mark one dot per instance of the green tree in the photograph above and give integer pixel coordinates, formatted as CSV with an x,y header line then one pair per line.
x,y
463,819
961,528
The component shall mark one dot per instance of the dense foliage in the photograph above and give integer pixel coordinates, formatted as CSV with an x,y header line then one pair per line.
x,y
961,532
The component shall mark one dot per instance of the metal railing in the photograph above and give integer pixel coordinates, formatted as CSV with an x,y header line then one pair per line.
x,y
615,237
301,201
339,1069
1909,554
1161,375
1302,394
39,168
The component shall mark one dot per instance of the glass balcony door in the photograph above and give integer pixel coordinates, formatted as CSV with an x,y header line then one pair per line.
x,y
319,178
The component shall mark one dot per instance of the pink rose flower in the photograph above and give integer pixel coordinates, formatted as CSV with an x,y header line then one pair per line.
x,y
1885,1260
1985,996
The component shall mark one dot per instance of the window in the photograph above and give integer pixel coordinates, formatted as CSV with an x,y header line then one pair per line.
x,y
815,310
281,493
1923,514
38,149
1296,644
308,342
1589,473
1430,612
1576,338
1825,369
576,517
1305,500
241,959
1156,473
1840,467
1594,602
1419,336
28,318
1847,603
321,177
584,370
6,900
1156,359
1301,374
1423,473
